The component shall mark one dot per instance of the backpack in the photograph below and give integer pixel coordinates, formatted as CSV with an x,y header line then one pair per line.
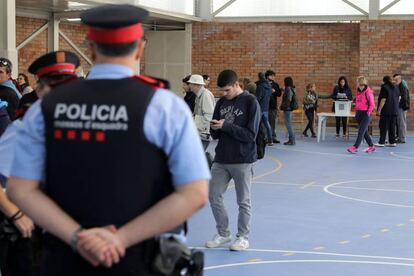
x,y
261,141
294,103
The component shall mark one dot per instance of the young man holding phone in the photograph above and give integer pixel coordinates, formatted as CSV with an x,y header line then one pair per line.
x,y
235,124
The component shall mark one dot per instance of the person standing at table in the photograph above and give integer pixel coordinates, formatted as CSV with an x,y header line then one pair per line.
x,y
341,92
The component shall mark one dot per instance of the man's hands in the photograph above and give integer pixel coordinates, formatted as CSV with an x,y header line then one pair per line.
x,y
216,124
101,246
25,226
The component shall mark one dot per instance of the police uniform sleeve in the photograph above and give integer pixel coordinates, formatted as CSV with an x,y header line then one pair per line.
x,y
29,152
169,125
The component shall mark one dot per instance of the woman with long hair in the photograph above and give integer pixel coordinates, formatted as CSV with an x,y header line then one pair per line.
x,y
287,109
23,82
341,92
310,102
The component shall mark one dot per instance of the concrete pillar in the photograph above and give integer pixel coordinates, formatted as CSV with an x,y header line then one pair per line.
x,y
53,34
8,33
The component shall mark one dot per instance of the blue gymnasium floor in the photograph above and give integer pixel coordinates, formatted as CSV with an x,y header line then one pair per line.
x,y
318,210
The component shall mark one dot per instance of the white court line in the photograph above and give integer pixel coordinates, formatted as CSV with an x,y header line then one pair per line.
x,y
308,185
306,261
337,187
402,156
326,189
314,253
362,155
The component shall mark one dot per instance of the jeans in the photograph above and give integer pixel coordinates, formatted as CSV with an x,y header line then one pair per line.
x,y
265,120
221,176
310,114
288,124
363,120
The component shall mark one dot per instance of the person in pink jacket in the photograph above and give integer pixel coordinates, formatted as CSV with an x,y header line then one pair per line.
x,y
364,106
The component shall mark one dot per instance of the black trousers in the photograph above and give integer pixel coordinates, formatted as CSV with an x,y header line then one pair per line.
x,y
310,115
60,259
387,124
338,124
16,258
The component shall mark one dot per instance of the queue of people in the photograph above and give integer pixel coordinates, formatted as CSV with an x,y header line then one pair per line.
x,y
59,142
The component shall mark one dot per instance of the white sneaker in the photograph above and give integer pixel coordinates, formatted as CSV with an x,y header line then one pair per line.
x,y
240,244
379,145
217,241
392,145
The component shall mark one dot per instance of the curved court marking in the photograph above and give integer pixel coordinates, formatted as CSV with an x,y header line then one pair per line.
x,y
360,155
306,261
338,187
326,189
314,253
278,168
402,156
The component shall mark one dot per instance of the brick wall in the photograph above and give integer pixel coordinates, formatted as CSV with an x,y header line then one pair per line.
x,y
387,47
308,52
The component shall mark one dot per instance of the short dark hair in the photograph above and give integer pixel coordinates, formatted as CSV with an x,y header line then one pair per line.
x,y
269,73
186,79
396,75
289,82
6,63
206,77
261,76
387,80
227,77
116,50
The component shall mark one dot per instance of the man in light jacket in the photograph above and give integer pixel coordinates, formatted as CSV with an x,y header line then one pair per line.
x,y
204,107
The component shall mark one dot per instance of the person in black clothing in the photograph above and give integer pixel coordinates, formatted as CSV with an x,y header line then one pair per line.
x,y
388,111
287,108
189,97
4,117
8,91
310,103
341,92
263,94
276,92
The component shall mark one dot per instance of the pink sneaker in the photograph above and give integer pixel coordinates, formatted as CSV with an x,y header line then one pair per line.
x,y
370,149
352,149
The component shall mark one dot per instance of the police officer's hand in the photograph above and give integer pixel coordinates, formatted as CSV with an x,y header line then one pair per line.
x,y
103,243
25,226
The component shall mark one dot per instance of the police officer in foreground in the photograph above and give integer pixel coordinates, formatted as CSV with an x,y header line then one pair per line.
x,y
120,156
16,229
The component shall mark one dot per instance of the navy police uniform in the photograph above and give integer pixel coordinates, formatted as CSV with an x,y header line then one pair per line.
x,y
109,147
16,251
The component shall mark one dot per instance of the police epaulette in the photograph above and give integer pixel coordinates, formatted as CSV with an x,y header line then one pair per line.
x,y
155,82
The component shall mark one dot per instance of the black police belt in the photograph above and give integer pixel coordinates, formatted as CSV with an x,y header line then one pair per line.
x,y
174,258
164,255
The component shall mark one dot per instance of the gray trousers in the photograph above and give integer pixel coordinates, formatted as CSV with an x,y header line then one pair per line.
x,y
221,176
273,121
402,124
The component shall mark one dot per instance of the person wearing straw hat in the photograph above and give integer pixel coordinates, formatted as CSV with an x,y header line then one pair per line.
x,y
203,109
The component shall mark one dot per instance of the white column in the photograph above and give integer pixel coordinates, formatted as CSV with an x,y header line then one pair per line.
x,y
188,47
206,9
53,34
374,9
8,33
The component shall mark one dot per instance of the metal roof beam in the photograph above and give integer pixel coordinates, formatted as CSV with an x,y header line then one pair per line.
x,y
389,6
355,7
333,18
222,8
